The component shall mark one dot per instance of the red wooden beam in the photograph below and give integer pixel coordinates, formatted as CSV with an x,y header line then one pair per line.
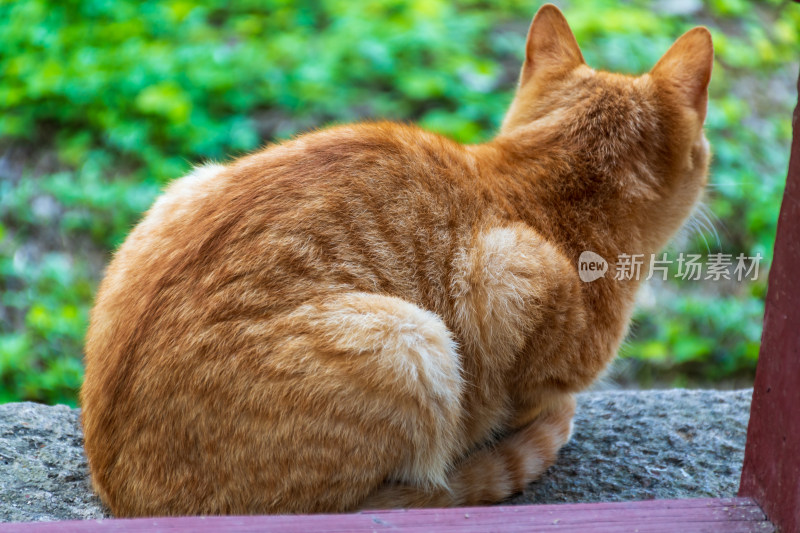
x,y
771,471
686,516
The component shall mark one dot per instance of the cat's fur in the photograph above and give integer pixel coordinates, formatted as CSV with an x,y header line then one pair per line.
x,y
373,315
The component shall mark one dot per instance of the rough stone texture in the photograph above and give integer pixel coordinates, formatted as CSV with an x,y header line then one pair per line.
x,y
645,445
626,446
43,470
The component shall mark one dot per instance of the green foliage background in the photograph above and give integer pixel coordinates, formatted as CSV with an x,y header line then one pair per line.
x,y
102,102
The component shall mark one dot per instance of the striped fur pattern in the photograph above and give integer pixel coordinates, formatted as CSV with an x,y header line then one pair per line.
x,y
372,315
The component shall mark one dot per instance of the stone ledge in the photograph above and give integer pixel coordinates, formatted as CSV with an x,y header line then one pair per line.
x,y
626,446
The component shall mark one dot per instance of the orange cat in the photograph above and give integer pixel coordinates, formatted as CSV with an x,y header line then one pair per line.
x,y
373,315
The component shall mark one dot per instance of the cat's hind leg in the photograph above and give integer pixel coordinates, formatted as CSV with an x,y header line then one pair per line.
x,y
493,473
307,411
361,388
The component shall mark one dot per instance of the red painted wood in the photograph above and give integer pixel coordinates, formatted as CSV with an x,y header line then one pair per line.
x,y
771,471
688,516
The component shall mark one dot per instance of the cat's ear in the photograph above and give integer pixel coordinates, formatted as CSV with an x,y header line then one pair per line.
x,y
686,67
551,47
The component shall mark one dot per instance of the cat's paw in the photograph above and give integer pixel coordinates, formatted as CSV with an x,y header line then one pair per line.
x,y
559,418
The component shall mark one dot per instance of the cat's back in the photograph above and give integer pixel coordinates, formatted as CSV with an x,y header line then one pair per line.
x,y
316,206
381,163
372,207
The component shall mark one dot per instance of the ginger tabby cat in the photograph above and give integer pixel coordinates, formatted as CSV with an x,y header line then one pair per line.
x,y
373,315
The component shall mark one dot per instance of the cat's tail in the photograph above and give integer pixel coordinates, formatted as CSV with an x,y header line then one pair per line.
x,y
490,474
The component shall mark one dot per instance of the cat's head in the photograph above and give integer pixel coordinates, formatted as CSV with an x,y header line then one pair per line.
x,y
639,136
